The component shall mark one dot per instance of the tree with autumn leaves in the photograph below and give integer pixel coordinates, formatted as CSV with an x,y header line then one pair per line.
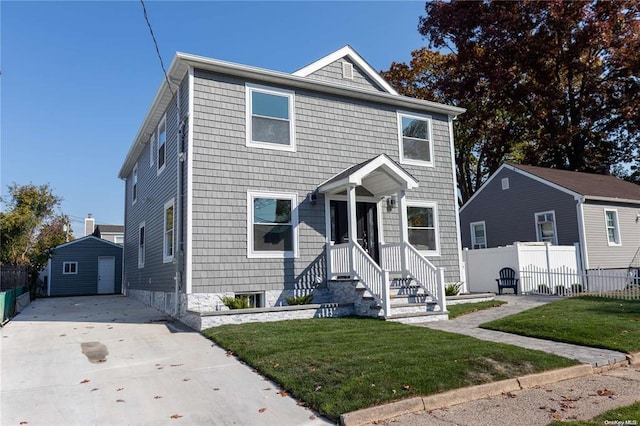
x,y
548,83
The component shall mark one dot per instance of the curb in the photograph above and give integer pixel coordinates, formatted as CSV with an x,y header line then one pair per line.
x,y
634,359
471,393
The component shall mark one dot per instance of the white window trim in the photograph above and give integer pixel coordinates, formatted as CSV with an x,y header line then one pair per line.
x,y
152,149
436,224
165,258
142,253
555,228
157,145
473,234
505,183
135,188
64,264
249,88
428,119
251,254
616,228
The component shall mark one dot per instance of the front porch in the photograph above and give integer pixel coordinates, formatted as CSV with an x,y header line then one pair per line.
x,y
354,251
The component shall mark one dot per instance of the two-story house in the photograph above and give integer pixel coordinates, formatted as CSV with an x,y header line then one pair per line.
x,y
247,181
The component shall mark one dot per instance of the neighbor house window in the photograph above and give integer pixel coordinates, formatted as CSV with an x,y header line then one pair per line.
x,y
613,232
141,245
168,244
414,135
422,219
546,227
162,145
118,239
272,225
134,188
69,268
505,183
478,235
270,121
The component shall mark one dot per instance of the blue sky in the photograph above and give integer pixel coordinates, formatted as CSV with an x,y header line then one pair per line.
x,y
78,77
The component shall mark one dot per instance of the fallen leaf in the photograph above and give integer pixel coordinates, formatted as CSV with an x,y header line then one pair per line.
x,y
216,389
157,397
186,379
176,416
229,353
62,335
24,423
393,391
276,365
85,381
283,393
301,403
318,388
406,387
543,407
605,392
94,389
266,389
175,365
119,400
555,416
262,410
119,389
312,417
509,395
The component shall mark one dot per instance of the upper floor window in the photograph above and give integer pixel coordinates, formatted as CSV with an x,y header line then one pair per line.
x,y
478,235
270,122
152,149
613,232
272,225
546,227
168,243
69,268
422,219
162,145
134,185
414,136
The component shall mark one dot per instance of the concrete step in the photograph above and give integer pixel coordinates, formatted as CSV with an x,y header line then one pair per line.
x,y
417,318
410,298
412,308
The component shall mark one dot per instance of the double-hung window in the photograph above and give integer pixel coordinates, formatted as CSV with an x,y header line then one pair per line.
x,y
422,220
546,227
270,122
162,144
478,235
272,224
168,245
134,185
613,231
141,245
69,268
415,139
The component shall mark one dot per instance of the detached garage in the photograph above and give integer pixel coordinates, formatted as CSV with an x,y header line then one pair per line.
x,y
85,266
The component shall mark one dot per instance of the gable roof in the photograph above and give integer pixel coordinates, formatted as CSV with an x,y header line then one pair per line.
x,y
589,185
183,62
87,238
347,52
108,229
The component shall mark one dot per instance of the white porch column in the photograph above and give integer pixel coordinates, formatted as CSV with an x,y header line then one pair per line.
x,y
404,230
353,229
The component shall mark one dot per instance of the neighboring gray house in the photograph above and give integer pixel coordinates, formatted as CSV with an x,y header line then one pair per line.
x,y
113,233
528,203
246,181
85,266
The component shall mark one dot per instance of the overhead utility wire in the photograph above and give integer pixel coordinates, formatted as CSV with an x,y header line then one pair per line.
x,y
146,18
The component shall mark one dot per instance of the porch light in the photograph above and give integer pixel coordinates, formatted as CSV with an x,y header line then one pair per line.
x,y
313,197
391,203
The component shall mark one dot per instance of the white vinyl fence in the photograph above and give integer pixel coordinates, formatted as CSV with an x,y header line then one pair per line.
x,y
483,266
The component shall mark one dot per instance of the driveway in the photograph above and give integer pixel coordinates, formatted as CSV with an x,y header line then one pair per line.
x,y
109,360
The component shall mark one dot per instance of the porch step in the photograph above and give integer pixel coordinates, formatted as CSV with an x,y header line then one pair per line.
x,y
417,318
410,298
412,308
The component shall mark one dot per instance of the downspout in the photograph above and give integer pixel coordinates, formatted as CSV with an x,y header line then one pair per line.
x,y
582,234
178,251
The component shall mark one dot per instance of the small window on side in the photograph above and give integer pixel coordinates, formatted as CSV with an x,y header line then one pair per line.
x,y
505,183
69,268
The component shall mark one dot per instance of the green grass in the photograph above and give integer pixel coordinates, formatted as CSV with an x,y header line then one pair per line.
x,y
339,365
467,308
588,321
630,412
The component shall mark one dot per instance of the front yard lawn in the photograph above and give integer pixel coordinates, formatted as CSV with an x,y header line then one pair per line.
x,y
587,321
616,416
339,365
467,308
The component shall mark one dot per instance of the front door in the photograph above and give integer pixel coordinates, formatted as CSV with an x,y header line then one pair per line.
x,y
106,275
367,226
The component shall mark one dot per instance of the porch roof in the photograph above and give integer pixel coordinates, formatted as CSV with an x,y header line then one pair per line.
x,y
380,176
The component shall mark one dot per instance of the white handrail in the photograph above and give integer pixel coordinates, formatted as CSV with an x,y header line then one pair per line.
x,y
391,257
339,260
426,275
372,277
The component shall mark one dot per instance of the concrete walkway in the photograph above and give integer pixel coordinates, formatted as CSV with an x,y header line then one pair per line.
x,y
468,325
109,360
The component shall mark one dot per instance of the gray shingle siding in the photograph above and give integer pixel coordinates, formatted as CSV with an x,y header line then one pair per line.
x,y
331,134
509,215
332,73
86,253
153,192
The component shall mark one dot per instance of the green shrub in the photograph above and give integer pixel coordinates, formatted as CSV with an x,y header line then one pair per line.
x,y
299,300
452,289
544,289
576,288
238,302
